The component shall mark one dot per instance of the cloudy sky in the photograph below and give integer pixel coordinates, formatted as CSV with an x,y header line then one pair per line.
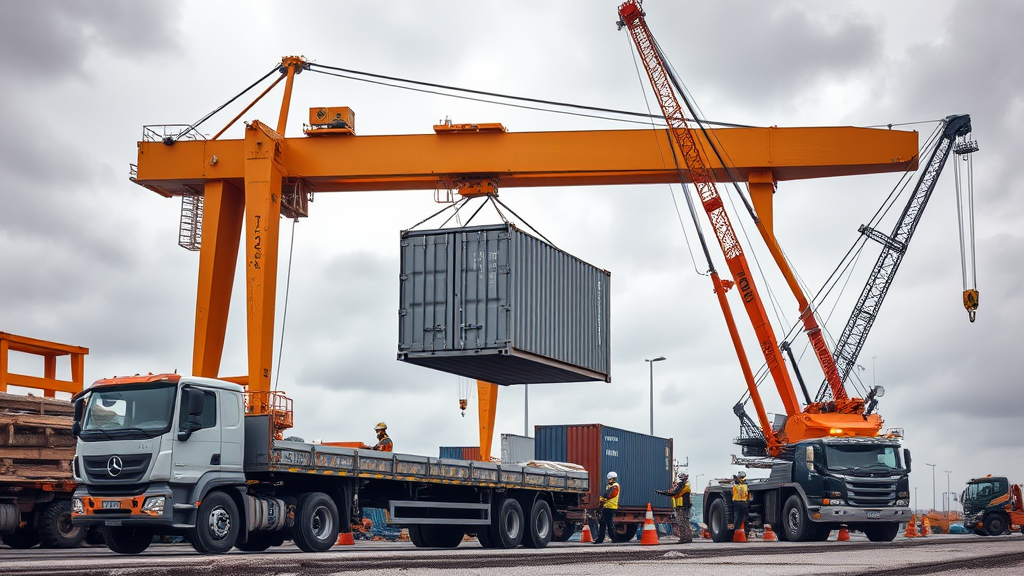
x,y
88,258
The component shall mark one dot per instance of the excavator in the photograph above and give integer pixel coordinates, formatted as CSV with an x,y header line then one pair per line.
x,y
829,465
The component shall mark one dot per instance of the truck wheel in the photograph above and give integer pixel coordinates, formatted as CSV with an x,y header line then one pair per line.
x,y
442,536
127,539
317,525
822,533
21,539
507,531
94,536
217,524
718,523
995,524
562,530
539,531
55,529
795,522
623,532
483,535
257,541
881,532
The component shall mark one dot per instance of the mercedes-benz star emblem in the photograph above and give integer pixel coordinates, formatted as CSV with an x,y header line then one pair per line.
x,y
114,465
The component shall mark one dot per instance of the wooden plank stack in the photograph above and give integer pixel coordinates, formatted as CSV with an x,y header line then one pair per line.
x,y
36,444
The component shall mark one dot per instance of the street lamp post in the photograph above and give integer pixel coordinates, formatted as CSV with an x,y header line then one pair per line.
x,y
697,481
651,363
949,495
933,483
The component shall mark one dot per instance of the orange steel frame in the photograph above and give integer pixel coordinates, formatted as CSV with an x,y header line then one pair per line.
x,y
50,351
242,183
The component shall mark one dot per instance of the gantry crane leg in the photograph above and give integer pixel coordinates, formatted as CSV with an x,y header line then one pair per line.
x,y
224,210
487,396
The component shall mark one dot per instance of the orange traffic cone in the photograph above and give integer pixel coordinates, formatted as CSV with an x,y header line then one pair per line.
x,y
740,533
769,535
844,533
911,528
586,537
650,533
705,534
345,539
926,525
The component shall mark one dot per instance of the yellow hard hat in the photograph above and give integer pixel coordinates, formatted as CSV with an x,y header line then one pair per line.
x,y
380,426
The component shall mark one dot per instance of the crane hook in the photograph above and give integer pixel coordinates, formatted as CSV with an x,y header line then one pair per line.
x,y
971,302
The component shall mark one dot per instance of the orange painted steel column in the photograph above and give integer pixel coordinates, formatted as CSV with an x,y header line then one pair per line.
x,y
282,120
50,373
223,212
4,348
263,176
487,395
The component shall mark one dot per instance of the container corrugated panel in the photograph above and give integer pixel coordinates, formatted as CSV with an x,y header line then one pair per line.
x,y
460,452
643,463
493,303
516,449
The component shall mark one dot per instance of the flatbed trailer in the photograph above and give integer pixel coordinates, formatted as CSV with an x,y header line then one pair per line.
x,y
168,454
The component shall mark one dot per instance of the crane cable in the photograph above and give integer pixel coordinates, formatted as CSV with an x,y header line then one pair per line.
x,y
970,278
284,314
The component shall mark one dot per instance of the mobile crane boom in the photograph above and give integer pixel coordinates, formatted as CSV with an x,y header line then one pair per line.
x,y
814,421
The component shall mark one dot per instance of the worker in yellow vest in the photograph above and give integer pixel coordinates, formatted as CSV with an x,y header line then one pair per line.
x,y
740,497
680,494
609,504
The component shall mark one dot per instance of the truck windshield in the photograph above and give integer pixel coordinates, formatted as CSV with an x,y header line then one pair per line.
x,y
129,412
862,457
986,489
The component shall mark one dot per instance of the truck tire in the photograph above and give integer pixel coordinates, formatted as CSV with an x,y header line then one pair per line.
x,y
54,526
317,524
127,539
21,539
94,536
881,532
795,522
442,536
995,524
483,535
623,532
508,527
10,517
562,530
540,528
718,522
217,524
821,533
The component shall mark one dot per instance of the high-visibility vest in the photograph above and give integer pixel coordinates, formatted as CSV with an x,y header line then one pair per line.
x,y
739,492
385,444
612,498
679,500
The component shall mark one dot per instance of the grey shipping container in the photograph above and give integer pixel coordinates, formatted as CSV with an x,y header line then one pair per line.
x,y
493,303
643,463
516,449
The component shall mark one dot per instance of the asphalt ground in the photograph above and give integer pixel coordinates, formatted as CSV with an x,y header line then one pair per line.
x,y
934,555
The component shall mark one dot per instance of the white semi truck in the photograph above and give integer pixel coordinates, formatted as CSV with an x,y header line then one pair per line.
x,y
175,455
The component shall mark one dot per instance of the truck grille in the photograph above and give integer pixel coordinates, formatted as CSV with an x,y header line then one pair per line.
x,y
871,492
132,468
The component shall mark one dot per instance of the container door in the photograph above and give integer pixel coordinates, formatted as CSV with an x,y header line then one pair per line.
x,y
482,295
426,289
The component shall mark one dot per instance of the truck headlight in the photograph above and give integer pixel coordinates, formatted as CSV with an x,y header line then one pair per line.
x,y
903,502
837,502
154,505
77,507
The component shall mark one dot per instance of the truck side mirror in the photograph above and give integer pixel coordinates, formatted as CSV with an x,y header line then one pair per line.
x,y
76,426
906,459
196,399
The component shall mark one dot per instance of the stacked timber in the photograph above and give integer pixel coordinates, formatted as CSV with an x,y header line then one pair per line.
x,y
35,439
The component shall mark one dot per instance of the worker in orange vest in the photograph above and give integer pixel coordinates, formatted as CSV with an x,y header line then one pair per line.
x,y
384,443
609,504
740,497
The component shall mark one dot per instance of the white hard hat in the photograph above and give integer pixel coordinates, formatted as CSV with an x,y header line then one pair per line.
x,y
742,474
612,474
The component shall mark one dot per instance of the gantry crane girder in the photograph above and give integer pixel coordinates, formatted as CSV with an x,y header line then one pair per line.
x,y
241,181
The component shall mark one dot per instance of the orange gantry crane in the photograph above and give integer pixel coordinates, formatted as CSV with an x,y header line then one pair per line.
x,y
248,184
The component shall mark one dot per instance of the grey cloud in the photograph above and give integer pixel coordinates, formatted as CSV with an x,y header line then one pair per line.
x,y
53,39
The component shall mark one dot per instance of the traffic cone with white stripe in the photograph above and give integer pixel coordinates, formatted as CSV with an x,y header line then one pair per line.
x,y
649,537
586,537
769,534
912,528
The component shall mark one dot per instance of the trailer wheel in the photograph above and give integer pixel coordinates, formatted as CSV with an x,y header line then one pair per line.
x,y
127,539
508,526
995,524
623,532
483,535
217,524
718,523
539,532
881,532
21,539
54,526
795,522
316,528
442,536
562,530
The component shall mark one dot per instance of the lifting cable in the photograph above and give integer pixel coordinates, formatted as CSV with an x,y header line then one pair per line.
x,y
970,277
192,127
284,314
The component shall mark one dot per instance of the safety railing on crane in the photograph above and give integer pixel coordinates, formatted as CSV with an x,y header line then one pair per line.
x,y
274,403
